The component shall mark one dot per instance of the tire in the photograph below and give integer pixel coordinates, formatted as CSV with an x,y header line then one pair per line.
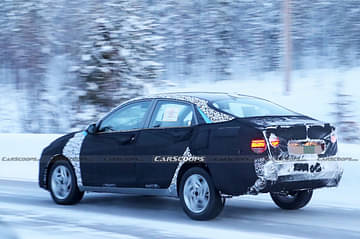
x,y
205,192
64,189
292,200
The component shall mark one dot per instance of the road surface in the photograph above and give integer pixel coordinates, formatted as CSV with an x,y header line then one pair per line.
x,y
28,212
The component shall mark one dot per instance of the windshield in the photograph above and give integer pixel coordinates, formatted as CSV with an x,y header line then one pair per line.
x,y
250,107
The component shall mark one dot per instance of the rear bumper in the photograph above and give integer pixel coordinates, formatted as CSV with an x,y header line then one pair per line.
x,y
287,172
281,186
277,176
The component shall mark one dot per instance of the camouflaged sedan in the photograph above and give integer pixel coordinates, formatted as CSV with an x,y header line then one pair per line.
x,y
199,147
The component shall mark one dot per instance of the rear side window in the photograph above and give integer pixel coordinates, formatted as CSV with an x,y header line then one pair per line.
x,y
251,107
129,117
172,114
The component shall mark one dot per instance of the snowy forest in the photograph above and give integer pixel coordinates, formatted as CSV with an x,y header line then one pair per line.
x,y
65,63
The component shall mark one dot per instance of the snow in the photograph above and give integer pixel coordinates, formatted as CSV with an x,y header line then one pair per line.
x,y
106,49
169,228
85,57
10,109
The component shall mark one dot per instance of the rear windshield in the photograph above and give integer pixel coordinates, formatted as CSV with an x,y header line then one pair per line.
x,y
250,107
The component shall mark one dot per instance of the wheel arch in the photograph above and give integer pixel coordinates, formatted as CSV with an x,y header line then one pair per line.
x,y
184,168
50,164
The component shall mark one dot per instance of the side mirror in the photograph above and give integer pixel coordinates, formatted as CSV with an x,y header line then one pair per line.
x,y
91,129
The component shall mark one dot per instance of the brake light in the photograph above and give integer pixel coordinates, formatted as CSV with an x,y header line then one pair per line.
x,y
258,145
274,140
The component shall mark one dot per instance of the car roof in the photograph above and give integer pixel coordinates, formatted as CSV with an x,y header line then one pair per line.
x,y
208,96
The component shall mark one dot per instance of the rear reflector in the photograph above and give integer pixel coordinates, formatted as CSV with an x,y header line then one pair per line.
x,y
258,145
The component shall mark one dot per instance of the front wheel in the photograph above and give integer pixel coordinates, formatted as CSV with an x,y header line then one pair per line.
x,y
63,187
198,195
292,200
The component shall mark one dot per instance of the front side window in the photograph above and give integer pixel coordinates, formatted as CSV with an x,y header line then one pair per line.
x,y
251,107
172,114
129,117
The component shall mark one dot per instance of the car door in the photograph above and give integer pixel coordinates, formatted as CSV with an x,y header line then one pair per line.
x,y
168,133
107,156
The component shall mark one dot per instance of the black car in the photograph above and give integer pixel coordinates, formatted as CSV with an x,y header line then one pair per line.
x,y
200,147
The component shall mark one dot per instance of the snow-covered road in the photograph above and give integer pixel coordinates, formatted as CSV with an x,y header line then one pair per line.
x,y
29,212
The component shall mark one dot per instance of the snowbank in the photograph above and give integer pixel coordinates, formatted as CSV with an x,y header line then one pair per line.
x,y
30,146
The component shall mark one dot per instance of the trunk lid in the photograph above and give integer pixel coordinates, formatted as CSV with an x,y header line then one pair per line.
x,y
299,136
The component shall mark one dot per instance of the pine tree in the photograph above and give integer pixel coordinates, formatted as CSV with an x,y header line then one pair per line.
x,y
220,32
27,51
116,57
347,128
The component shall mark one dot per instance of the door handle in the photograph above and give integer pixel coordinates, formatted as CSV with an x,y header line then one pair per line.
x,y
182,135
128,140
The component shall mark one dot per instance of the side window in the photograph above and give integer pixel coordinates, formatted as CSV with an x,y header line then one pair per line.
x,y
172,114
127,118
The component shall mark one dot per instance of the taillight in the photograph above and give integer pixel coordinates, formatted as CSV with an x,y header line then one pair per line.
x,y
274,140
333,138
258,145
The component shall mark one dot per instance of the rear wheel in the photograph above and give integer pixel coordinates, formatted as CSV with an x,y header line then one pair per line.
x,y
63,186
198,195
292,200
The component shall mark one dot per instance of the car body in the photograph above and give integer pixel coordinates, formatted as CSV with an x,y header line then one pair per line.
x,y
237,144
